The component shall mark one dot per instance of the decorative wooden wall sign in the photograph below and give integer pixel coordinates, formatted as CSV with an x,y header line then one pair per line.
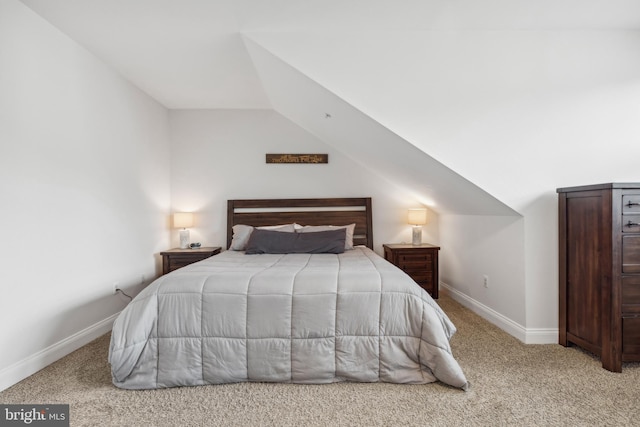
x,y
297,158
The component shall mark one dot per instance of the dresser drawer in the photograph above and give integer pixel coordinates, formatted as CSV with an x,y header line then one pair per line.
x,y
631,254
631,223
631,295
631,204
631,337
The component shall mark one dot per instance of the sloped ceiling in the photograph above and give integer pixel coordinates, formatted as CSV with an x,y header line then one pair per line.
x,y
230,54
367,142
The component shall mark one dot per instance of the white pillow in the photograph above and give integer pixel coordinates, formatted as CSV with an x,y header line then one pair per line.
x,y
348,241
241,234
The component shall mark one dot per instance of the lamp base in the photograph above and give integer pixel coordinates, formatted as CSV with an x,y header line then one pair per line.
x,y
184,239
416,237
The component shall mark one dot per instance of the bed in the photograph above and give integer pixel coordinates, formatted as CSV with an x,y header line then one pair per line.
x,y
309,302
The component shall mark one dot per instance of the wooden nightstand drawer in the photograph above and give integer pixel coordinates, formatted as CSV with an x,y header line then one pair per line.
x,y
177,258
420,259
420,262
427,285
416,268
178,261
420,276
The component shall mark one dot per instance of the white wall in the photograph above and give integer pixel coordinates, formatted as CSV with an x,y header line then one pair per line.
x,y
218,155
84,184
492,246
516,112
475,246
566,115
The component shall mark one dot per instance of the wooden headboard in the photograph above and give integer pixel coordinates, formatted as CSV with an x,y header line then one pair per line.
x,y
337,211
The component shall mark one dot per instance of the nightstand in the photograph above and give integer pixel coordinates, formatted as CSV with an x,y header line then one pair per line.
x,y
419,261
173,259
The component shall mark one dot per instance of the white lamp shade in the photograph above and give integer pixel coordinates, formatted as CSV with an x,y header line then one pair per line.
x,y
417,217
182,219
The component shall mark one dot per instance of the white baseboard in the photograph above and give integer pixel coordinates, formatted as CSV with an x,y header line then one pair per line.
x,y
20,370
527,336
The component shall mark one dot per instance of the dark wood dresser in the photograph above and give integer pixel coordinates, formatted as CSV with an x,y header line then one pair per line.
x,y
174,259
599,254
419,261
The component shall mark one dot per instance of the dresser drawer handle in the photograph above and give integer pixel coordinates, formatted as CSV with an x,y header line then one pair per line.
x,y
630,203
632,224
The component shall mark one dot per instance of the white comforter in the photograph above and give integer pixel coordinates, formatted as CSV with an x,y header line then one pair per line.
x,y
288,318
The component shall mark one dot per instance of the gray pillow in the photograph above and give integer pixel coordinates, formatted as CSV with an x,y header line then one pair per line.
x,y
348,241
275,242
242,232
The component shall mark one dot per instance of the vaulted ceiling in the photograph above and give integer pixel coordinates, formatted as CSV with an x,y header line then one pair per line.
x,y
375,65
190,53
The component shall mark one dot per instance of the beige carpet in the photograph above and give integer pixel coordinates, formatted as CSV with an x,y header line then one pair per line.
x,y
512,384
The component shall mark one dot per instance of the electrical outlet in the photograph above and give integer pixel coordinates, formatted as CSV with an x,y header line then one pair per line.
x,y
116,286
485,281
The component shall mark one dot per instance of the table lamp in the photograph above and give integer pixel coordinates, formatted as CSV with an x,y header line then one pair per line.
x,y
183,220
417,218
